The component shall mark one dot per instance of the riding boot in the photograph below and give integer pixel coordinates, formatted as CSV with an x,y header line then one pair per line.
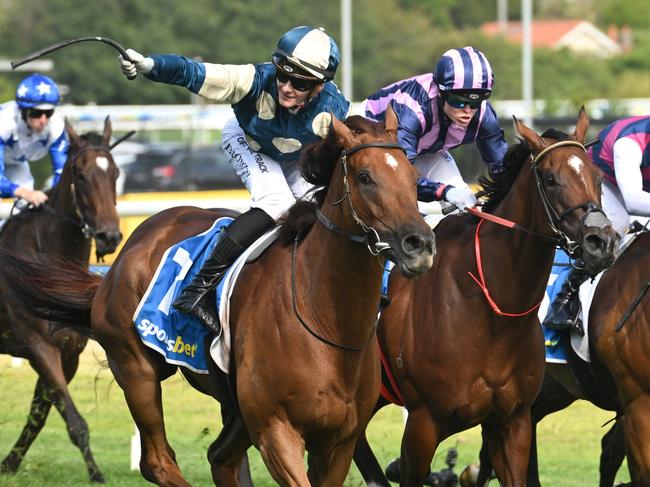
x,y
563,312
235,238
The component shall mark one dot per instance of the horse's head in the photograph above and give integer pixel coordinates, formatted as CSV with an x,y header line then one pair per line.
x,y
372,191
569,185
91,174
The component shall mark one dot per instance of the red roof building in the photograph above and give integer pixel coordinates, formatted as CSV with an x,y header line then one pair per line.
x,y
576,35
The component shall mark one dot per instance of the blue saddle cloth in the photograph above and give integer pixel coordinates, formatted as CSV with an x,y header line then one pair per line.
x,y
555,341
179,337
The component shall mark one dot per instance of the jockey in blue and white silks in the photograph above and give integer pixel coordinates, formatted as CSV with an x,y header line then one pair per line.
x,y
279,108
623,153
29,129
442,110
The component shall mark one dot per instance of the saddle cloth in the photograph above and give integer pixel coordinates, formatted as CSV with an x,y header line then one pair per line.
x,y
180,337
556,341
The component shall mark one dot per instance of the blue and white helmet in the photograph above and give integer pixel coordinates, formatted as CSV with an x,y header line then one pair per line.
x,y
311,50
37,91
465,69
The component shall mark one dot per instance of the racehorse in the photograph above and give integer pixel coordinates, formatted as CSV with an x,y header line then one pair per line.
x,y
463,343
81,206
559,390
303,315
618,377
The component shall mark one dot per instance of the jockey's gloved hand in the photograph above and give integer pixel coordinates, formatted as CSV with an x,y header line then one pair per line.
x,y
137,64
461,198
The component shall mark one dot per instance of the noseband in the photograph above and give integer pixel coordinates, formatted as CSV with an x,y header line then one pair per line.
x,y
591,208
370,236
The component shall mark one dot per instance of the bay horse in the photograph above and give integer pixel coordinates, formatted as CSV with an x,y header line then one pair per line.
x,y
79,208
463,342
303,315
559,390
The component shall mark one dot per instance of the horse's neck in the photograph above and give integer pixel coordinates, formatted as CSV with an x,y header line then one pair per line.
x,y
58,232
530,256
338,283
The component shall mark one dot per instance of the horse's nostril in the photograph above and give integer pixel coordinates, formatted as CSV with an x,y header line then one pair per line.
x,y
594,243
416,244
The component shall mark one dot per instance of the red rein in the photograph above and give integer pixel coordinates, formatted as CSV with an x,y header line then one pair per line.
x,y
477,248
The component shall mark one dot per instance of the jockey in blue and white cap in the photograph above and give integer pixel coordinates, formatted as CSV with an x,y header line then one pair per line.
x,y
279,108
29,129
442,110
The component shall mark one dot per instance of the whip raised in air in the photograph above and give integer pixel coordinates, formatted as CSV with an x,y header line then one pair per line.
x,y
60,45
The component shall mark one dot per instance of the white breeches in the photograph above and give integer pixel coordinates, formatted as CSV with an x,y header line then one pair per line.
x,y
274,186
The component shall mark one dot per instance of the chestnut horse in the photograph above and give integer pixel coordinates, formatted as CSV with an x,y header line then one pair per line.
x,y
303,315
463,342
81,206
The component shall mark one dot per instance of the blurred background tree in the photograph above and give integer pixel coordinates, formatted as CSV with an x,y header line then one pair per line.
x,y
392,39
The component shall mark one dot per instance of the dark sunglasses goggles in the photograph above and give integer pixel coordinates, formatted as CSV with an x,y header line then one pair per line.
x,y
38,113
459,102
299,84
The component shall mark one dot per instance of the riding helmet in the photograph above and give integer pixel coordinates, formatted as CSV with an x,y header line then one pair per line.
x,y
37,91
311,50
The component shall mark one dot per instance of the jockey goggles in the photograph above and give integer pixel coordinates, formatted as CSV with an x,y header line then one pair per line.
x,y
38,113
300,79
458,101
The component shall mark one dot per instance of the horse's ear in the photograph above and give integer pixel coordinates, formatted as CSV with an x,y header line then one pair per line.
x,y
391,122
344,136
74,138
535,142
582,125
108,130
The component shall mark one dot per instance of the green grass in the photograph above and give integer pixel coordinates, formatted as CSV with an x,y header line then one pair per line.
x,y
569,441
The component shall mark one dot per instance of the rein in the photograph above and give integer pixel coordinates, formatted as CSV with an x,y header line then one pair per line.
x,y
560,238
375,248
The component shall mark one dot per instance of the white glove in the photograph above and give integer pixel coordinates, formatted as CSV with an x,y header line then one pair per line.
x,y
461,198
138,64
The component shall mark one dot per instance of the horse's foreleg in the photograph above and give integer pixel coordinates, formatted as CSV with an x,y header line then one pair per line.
x,y
509,447
329,465
367,463
282,450
612,453
227,454
75,423
419,443
139,377
41,404
637,432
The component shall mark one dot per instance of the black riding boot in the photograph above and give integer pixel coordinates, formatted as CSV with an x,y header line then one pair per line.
x,y
237,236
563,312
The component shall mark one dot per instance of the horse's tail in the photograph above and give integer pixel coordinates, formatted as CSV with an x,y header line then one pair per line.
x,y
51,287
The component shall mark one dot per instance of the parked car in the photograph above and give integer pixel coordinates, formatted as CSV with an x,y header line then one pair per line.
x,y
174,168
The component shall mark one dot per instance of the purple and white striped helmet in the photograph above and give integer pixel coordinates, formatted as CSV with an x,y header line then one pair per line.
x,y
465,69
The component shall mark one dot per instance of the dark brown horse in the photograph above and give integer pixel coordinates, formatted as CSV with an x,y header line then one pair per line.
x,y
302,316
617,378
464,342
81,206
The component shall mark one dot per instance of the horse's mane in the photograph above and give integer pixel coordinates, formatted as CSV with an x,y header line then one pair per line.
x,y
317,163
495,188
94,138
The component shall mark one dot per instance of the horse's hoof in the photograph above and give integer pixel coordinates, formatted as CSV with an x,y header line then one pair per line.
x,y
9,466
97,477
469,476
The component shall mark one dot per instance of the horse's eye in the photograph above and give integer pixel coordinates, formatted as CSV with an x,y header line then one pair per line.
x,y
364,178
549,180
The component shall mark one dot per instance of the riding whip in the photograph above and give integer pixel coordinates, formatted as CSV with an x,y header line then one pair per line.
x,y
60,45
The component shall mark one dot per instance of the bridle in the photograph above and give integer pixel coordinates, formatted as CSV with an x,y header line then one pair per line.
x,y
370,236
87,230
554,219
375,247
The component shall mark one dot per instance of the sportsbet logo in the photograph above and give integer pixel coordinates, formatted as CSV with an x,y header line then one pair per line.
x,y
147,328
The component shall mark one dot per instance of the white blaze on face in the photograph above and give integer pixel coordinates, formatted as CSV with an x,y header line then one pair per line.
x,y
576,163
391,161
102,163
